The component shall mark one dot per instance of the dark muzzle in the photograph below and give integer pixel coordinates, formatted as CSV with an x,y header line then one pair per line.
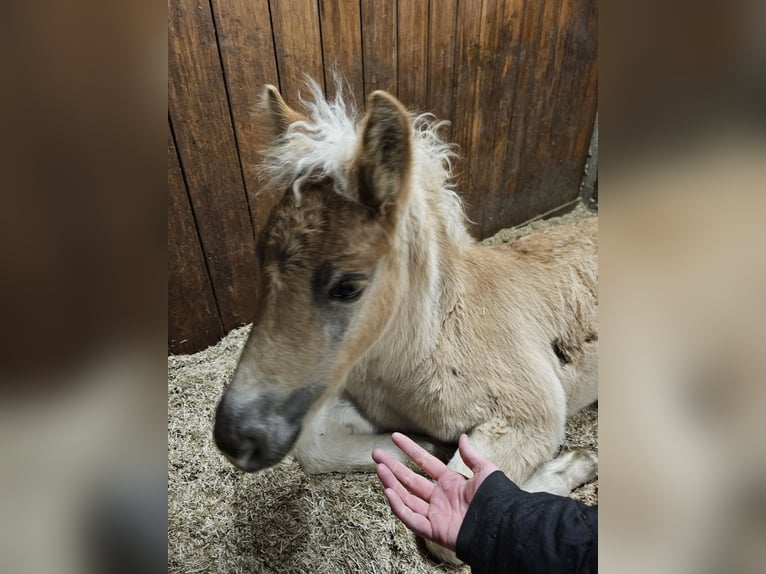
x,y
259,432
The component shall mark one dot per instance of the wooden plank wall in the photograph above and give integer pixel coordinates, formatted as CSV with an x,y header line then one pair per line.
x,y
516,78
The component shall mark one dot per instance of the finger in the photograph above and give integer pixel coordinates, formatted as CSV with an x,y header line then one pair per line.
x,y
414,502
418,485
378,454
384,457
471,458
418,523
429,463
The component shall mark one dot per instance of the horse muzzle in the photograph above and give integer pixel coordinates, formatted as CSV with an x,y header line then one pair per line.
x,y
259,431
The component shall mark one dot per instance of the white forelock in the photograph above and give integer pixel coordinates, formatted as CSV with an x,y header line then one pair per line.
x,y
324,146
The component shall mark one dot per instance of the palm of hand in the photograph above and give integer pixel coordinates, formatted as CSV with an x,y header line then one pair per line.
x,y
449,503
432,510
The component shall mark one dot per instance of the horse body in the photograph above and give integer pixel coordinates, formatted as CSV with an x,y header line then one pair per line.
x,y
378,312
485,344
499,342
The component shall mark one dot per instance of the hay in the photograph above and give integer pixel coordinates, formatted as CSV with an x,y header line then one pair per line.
x,y
281,520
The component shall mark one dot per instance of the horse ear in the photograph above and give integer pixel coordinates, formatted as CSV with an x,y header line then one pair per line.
x,y
385,154
280,113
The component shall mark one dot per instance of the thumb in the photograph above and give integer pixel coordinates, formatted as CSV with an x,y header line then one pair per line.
x,y
470,457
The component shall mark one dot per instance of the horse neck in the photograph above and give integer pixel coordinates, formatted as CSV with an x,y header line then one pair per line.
x,y
430,263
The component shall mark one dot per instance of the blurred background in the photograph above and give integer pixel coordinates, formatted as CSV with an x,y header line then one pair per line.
x,y
682,144
682,277
83,287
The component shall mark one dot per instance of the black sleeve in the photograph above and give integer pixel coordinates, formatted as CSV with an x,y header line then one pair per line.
x,y
509,530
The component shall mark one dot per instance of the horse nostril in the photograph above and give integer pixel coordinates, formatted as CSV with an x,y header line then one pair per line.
x,y
246,448
256,433
228,440
251,458
250,453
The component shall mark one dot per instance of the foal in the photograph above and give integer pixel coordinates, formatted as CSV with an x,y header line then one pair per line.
x,y
378,312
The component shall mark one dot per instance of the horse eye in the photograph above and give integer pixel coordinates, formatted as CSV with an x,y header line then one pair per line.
x,y
345,290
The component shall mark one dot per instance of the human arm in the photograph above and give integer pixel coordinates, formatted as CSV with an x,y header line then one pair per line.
x,y
490,522
508,529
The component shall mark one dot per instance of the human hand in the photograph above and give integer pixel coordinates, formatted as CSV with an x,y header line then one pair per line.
x,y
432,510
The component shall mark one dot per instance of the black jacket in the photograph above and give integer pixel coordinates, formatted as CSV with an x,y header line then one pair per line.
x,y
509,530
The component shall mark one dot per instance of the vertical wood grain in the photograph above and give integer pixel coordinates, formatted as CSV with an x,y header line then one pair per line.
x,y
486,111
497,85
525,99
206,146
193,320
298,46
524,167
442,22
412,46
247,52
342,45
379,45
466,106
553,112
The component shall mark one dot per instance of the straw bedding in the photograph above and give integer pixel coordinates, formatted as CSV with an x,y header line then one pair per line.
x,y
281,520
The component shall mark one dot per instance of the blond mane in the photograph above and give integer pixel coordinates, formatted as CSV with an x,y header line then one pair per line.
x,y
324,147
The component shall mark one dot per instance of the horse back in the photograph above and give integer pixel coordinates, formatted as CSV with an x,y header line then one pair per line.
x,y
541,292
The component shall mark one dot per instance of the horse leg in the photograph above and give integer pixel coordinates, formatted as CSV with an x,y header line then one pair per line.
x,y
564,473
337,438
559,476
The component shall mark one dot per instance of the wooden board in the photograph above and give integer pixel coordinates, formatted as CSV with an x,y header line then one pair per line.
x,y
207,150
552,114
193,319
498,92
247,48
298,43
412,54
525,99
467,107
379,47
342,45
442,24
